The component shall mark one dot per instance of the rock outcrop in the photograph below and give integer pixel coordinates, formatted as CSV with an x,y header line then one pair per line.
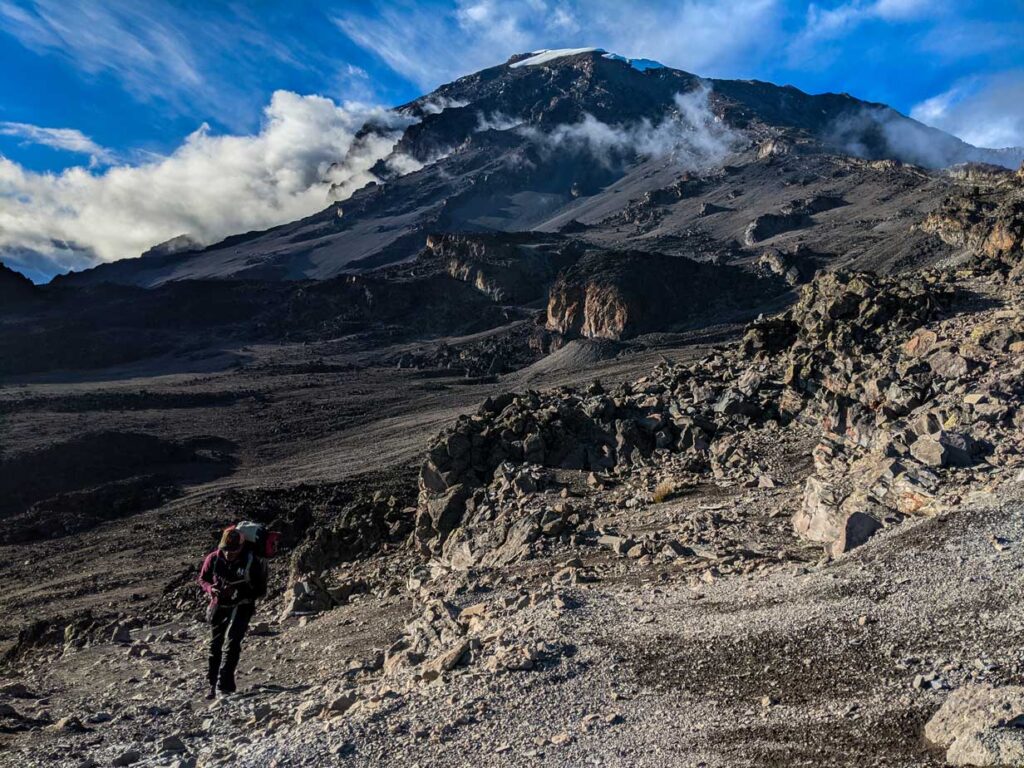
x,y
509,268
768,225
990,224
898,404
795,214
620,294
795,265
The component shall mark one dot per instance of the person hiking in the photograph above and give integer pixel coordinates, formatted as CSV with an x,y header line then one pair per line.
x,y
234,577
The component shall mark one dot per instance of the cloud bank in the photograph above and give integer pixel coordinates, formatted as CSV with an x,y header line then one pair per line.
x,y
210,187
875,132
690,134
984,111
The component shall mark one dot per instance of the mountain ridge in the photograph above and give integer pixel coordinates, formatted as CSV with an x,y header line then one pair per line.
x,y
474,141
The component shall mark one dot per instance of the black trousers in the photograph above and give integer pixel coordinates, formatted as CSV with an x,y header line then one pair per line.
x,y
230,622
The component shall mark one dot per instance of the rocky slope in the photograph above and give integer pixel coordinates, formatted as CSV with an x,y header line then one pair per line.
x,y
511,269
780,550
104,325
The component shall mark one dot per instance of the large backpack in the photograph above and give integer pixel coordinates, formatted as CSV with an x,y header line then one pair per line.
x,y
264,542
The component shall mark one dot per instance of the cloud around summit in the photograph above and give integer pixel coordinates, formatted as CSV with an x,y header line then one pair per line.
x,y
210,187
170,118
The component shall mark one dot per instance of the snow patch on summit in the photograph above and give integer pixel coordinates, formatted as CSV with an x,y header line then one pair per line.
x,y
545,55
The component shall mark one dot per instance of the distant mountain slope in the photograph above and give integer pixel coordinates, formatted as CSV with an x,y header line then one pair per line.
x,y
544,139
15,288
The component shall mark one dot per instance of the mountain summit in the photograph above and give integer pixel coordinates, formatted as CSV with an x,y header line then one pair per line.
x,y
551,139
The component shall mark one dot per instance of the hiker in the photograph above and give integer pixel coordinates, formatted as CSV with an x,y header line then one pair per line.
x,y
235,577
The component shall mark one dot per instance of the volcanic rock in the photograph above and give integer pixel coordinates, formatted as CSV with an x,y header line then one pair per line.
x,y
978,725
617,295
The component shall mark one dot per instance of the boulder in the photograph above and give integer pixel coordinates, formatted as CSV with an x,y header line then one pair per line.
x,y
944,449
793,266
819,518
1003,747
839,523
617,544
304,596
172,743
128,757
68,724
445,661
340,704
308,709
516,546
950,365
980,725
445,511
921,343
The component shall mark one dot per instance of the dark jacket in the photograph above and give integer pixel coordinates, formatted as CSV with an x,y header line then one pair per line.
x,y
243,580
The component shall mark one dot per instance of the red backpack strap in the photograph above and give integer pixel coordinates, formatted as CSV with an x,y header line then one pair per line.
x,y
271,543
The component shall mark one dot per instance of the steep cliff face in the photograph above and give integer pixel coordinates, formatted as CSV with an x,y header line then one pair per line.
x,y
620,294
508,268
594,311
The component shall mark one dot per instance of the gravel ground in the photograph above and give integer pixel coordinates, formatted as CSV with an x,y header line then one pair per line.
x,y
795,665
751,649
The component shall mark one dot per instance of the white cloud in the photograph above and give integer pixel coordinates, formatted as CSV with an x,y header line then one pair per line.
x,y
898,10
189,57
210,187
429,47
691,135
66,139
497,122
984,111
829,23
117,37
439,104
956,38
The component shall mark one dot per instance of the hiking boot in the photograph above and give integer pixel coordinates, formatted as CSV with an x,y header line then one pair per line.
x,y
212,693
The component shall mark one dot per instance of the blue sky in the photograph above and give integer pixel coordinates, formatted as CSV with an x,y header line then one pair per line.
x,y
105,93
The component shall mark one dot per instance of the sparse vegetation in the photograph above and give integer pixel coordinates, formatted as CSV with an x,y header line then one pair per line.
x,y
665,490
